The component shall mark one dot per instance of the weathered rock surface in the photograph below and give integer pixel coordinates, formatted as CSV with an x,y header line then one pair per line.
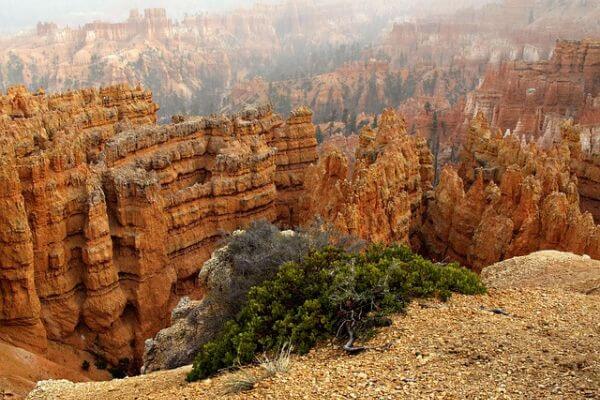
x,y
380,197
20,370
584,144
106,223
193,322
507,199
532,100
47,190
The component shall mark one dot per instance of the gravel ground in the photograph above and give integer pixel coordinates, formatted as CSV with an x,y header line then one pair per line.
x,y
509,344
549,269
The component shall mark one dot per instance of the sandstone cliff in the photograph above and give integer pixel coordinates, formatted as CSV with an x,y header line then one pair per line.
x,y
110,217
47,192
380,197
507,199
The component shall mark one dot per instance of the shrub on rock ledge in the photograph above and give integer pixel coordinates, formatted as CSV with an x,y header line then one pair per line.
x,y
330,292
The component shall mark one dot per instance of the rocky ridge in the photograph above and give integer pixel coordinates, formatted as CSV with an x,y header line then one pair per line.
x,y
494,345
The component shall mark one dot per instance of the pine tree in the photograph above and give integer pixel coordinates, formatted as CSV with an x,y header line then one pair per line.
x,y
351,125
427,107
372,98
319,134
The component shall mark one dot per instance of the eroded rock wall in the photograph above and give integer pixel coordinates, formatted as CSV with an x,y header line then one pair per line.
x,y
518,95
532,100
50,142
109,217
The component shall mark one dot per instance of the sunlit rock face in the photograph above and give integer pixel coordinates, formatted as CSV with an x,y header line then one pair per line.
x,y
380,196
107,218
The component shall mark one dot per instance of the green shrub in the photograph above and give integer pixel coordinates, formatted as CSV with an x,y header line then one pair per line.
x,y
328,291
257,253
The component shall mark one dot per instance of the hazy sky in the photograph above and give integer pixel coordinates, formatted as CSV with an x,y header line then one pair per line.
x,y
17,15
21,14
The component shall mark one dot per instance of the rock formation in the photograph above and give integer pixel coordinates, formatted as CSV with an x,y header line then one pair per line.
x,y
191,63
507,199
584,144
380,197
47,190
532,100
520,96
107,218
193,322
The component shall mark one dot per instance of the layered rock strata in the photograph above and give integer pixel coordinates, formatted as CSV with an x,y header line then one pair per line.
x,y
507,199
380,197
519,95
111,217
50,220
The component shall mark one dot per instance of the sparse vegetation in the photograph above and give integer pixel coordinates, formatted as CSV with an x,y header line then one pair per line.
x,y
330,293
245,380
256,253
241,381
279,364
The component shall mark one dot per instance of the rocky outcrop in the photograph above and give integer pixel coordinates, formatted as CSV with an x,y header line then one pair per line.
x,y
380,197
296,146
507,199
193,322
47,192
20,321
109,217
584,144
532,100
545,269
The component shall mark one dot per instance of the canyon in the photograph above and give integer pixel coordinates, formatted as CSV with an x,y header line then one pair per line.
x,y
507,199
110,217
190,63
527,180
199,64
470,134
107,218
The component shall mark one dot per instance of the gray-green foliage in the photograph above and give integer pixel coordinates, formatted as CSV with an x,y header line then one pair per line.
x,y
328,290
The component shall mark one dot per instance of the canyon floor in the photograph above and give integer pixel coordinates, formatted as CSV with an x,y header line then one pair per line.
x,y
512,343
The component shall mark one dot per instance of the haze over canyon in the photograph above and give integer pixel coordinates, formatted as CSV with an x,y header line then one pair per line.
x,y
141,149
